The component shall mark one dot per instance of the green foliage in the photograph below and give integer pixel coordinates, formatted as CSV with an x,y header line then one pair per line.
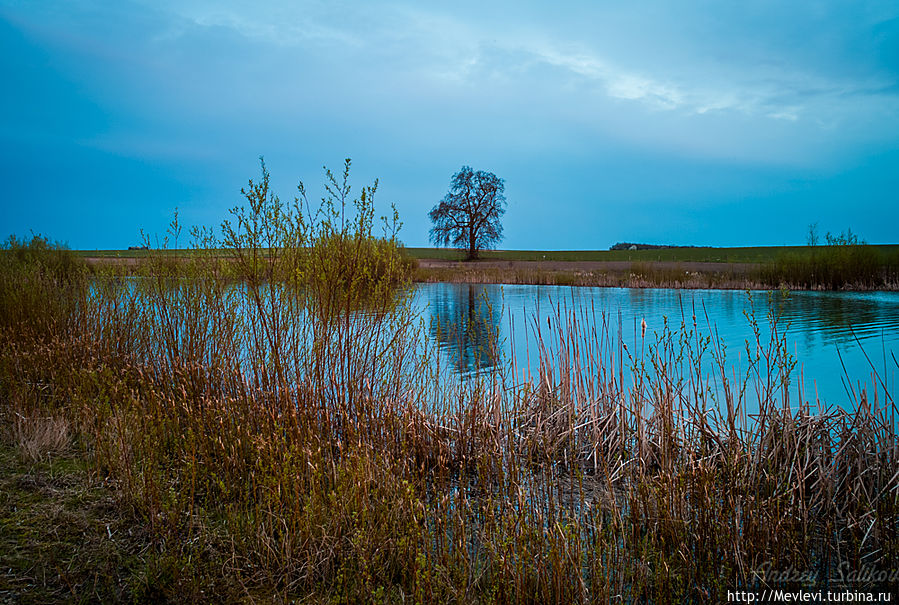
x,y
347,265
328,253
52,260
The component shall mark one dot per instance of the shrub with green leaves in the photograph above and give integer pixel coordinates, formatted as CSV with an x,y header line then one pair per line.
x,y
330,252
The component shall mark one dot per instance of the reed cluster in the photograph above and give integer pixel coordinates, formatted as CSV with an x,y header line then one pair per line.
x,y
282,430
841,265
635,275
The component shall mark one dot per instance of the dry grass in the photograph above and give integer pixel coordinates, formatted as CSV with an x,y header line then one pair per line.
x,y
38,438
300,441
635,275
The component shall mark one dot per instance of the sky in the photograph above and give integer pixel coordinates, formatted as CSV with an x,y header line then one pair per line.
x,y
715,122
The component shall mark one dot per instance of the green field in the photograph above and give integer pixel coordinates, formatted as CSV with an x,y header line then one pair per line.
x,y
747,254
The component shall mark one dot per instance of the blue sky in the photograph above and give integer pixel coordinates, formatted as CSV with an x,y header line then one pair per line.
x,y
708,123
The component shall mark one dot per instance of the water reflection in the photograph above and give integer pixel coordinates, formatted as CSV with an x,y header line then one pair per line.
x,y
834,316
827,331
464,322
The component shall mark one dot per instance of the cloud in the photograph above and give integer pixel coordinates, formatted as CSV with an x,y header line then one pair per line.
x,y
722,74
790,114
292,29
665,78
599,107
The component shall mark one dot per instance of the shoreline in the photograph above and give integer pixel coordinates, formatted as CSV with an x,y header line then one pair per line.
x,y
678,275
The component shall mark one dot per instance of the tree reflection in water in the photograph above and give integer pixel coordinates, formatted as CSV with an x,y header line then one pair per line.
x,y
465,322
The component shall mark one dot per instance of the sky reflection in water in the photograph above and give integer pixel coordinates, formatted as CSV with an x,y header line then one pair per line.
x,y
822,327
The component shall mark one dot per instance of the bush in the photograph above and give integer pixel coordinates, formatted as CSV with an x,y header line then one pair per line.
x,y
330,254
40,279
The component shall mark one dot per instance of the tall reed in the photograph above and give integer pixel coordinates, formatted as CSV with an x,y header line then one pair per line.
x,y
279,423
841,265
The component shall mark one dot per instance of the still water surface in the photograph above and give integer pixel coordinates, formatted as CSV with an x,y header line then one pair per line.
x,y
837,338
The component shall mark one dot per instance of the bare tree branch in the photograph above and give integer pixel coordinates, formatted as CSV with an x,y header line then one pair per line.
x,y
468,216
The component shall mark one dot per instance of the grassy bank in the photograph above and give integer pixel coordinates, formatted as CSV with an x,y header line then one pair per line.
x,y
833,267
631,275
855,267
286,437
63,535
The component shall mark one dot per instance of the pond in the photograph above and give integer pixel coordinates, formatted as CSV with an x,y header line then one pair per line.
x,y
838,339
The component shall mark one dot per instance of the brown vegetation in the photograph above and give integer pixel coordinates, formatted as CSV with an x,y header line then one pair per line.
x,y
282,433
619,274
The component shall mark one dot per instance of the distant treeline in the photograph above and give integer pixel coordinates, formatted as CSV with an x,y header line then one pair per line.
x,y
631,246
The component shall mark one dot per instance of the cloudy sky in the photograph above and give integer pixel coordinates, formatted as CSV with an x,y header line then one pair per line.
x,y
707,123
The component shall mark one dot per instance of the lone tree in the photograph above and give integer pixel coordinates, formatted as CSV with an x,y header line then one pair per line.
x,y
468,216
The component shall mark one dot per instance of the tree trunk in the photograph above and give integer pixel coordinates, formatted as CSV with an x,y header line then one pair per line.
x,y
472,251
